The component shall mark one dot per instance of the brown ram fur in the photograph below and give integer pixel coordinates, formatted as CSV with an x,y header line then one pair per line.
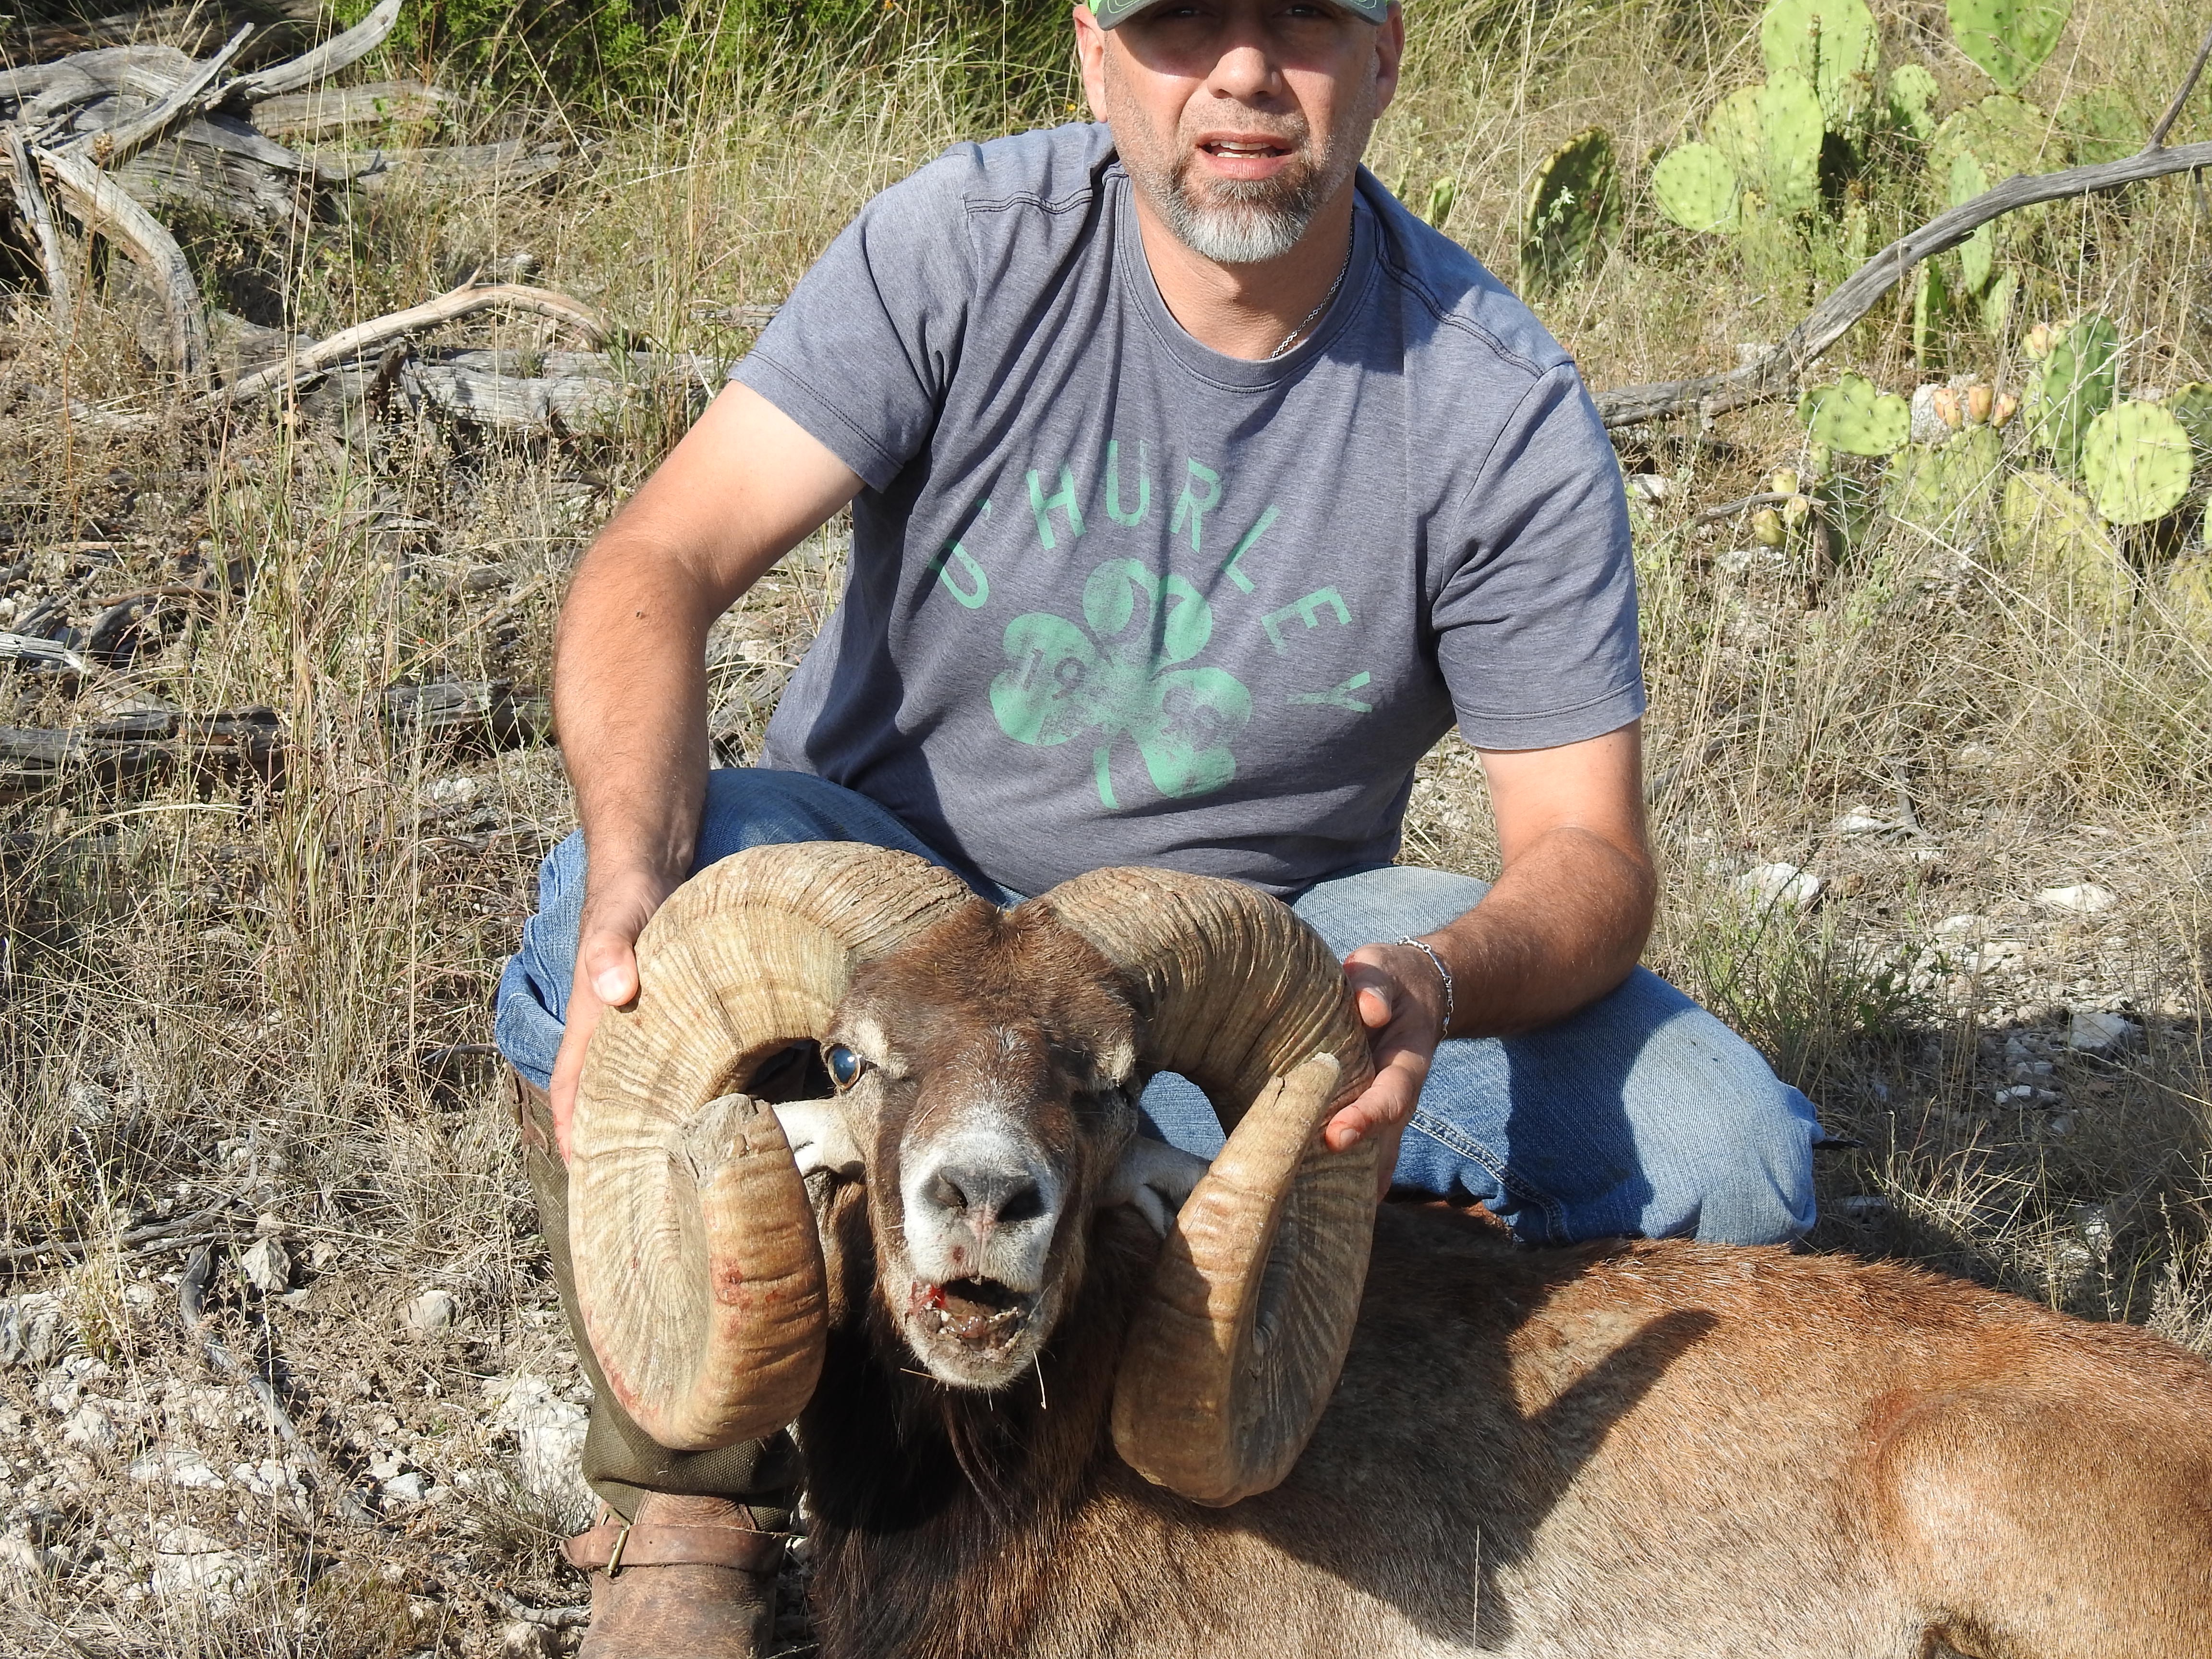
x,y
1646,1450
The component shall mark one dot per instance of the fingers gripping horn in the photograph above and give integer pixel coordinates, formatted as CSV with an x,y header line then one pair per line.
x,y
699,1273
1237,1348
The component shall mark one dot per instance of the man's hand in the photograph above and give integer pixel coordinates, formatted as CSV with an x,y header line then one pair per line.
x,y
606,977
1400,1001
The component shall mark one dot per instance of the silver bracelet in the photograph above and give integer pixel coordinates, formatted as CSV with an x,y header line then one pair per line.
x,y
1443,973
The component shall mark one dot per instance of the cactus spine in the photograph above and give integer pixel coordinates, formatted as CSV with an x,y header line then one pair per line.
x,y
1834,44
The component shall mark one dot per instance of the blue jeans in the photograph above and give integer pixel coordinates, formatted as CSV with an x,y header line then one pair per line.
x,y
1641,1114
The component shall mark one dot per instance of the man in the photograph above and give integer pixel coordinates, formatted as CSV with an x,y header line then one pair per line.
x,y
1197,489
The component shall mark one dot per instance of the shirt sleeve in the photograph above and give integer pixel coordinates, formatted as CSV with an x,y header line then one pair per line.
x,y
861,353
1535,617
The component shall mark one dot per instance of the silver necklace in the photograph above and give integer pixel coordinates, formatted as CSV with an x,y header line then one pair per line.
x,y
1306,321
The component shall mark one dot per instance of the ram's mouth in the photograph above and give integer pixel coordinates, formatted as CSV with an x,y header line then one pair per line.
x,y
980,1315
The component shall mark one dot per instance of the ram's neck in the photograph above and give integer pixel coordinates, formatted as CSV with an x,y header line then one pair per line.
x,y
935,1511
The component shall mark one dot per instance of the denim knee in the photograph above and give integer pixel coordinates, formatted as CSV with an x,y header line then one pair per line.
x,y
1751,1181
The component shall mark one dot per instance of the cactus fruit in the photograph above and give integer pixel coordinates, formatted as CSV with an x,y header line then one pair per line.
x,y
2010,39
1819,458
2136,459
1980,401
2002,411
1696,187
1796,510
2098,127
1913,93
1938,490
2040,339
2056,537
1853,416
1574,209
2078,384
1834,44
1767,528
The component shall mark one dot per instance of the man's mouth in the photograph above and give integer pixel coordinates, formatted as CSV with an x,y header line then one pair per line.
x,y
1249,158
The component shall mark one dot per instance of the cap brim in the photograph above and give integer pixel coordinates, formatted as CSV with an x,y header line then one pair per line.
x,y
1110,12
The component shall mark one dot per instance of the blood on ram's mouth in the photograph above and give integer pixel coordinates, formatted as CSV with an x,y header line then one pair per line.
x,y
977,1313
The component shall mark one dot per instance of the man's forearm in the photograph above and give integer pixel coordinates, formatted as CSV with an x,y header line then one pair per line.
x,y
1565,924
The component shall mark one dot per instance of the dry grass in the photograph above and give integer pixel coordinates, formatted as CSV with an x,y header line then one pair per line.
x,y
220,990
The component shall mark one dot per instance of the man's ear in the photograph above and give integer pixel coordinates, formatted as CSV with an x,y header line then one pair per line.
x,y
1391,51
1090,53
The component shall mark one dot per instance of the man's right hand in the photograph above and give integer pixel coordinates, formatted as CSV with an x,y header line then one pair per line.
x,y
606,977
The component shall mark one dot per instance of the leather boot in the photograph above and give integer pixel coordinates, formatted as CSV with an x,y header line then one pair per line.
x,y
690,1578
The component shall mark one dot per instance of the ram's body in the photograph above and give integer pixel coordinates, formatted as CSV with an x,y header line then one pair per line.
x,y
1628,1452
1622,1451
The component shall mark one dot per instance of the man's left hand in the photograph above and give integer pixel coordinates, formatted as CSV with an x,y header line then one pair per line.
x,y
1401,1002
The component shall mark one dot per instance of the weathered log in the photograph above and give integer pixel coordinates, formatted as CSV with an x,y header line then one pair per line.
x,y
333,55
111,147
193,25
510,163
490,713
140,747
221,165
305,114
31,202
105,207
583,392
42,90
463,302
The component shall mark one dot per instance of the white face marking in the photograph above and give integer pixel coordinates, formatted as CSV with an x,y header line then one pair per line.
x,y
952,1186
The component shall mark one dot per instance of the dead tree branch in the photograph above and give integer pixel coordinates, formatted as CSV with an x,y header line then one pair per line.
x,y
31,202
463,302
333,55
105,207
2188,85
113,146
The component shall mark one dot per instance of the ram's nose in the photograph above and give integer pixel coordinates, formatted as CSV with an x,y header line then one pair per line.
x,y
983,1208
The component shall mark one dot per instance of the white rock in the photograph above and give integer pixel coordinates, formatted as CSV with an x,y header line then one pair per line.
x,y
1649,486
1864,1207
31,1332
267,1266
176,1466
90,1427
1781,883
1928,426
524,1640
402,1491
21,1559
1951,926
433,1310
548,1436
1856,822
2088,899
2094,1033
190,1566
269,1478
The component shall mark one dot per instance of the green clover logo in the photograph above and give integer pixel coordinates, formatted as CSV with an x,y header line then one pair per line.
x,y
1116,681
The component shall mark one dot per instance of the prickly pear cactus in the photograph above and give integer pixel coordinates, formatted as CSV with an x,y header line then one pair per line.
x,y
1573,210
1943,491
2010,39
2097,126
1833,44
1913,93
2078,382
2191,405
1695,186
2004,135
1770,135
1442,195
2189,597
1855,416
2055,538
2136,459
1978,254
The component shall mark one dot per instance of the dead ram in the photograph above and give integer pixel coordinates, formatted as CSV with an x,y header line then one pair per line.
x,y
1033,1428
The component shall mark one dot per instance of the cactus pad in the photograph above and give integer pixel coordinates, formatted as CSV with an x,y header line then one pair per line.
x,y
2005,135
1696,187
1574,208
1771,135
2078,384
2098,127
2136,459
1913,93
2191,405
2056,537
1853,416
1943,491
1834,44
2189,597
2010,39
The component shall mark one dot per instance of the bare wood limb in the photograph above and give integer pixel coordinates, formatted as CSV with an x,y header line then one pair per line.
x,y
1775,373
463,302
31,201
136,1238
113,146
307,114
105,207
333,55
2188,85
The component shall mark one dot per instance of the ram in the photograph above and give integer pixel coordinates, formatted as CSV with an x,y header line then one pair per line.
x,y
1032,1426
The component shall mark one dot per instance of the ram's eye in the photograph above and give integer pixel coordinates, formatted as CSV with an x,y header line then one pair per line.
x,y
845,1066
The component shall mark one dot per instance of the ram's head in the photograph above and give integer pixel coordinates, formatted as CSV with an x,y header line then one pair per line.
x,y
987,1065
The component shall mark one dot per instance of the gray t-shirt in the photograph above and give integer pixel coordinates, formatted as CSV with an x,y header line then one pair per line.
x,y
1117,599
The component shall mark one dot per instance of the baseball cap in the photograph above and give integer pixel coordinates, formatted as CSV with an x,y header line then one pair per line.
x,y
1110,12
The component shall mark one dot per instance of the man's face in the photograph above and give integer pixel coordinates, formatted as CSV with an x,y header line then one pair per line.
x,y
1240,119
